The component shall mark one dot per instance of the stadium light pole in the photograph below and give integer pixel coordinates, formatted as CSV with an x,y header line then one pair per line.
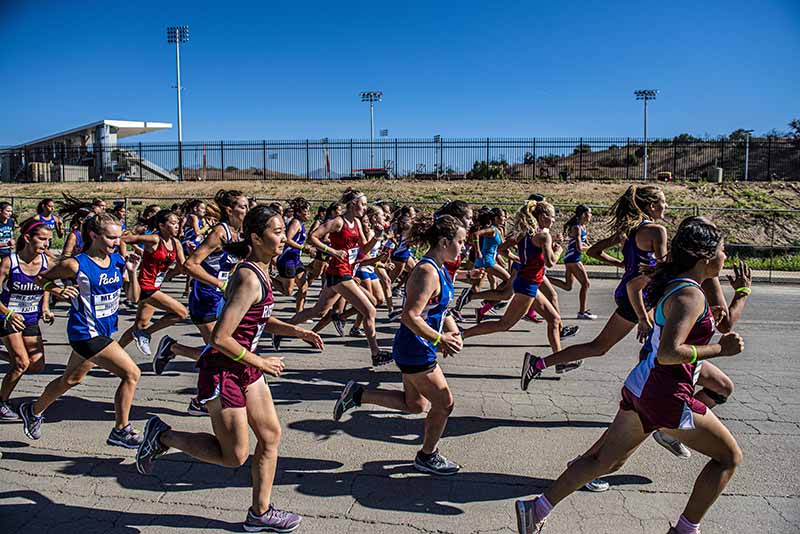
x,y
178,35
747,153
646,95
371,97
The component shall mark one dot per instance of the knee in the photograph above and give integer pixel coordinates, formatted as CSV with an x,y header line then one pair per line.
x,y
417,407
132,375
733,458
607,465
270,436
444,405
555,319
587,285
235,458
21,365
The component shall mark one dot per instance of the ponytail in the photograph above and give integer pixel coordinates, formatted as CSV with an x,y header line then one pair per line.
x,y
226,199
429,229
580,209
628,210
255,222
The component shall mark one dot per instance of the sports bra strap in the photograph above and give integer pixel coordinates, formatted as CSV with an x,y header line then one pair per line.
x,y
684,283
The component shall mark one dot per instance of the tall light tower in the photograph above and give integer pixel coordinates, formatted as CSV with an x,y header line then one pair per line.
x,y
371,97
178,35
645,94
747,154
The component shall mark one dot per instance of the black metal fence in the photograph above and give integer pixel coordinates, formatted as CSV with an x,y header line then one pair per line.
x,y
477,158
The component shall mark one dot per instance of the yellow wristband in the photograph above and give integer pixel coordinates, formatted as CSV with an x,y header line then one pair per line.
x,y
438,339
694,354
745,290
224,285
47,284
241,355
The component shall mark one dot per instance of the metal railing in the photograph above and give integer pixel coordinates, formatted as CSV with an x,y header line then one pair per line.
x,y
765,237
474,158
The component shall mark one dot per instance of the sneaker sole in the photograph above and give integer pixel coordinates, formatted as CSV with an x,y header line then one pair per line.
x,y
519,508
197,413
139,449
562,370
116,443
25,426
259,528
423,469
344,394
594,489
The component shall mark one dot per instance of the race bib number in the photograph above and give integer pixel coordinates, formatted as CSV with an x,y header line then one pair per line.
x,y
257,337
352,255
223,276
160,279
106,305
24,303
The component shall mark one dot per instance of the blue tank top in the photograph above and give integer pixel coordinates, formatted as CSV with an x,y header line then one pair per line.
x,y
489,245
409,348
573,254
6,235
290,254
20,294
401,251
189,235
94,311
50,223
78,248
633,257
218,264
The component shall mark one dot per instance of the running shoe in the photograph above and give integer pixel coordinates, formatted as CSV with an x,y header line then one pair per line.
x,y
597,485
338,323
273,520
142,338
499,305
196,408
463,298
672,445
456,315
480,313
276,342
435,464
31,423
569,331
397,292
586,316
357,332
395,314
347,399
126,437
529,370
163,354
150,448
381,358
533,318
526,519
562,368
7,413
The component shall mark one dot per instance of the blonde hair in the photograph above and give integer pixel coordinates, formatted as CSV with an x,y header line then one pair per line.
x,y
526,220
628,211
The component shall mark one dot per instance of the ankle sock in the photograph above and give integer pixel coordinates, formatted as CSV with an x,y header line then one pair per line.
x,y
684,526
541,508
531,313
540,364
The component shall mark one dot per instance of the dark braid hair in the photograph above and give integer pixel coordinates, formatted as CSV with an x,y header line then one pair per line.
x,y
580,209
70,206
457,208
427,229
255,222
299,204
696,239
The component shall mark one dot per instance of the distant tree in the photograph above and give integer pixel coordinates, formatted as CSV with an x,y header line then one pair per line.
x,y
685,138
583,147
794,131
528,158
740,134
231,168
775,133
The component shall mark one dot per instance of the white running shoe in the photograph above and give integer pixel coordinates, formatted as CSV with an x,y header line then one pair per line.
x,y
672,445
586,316
142,338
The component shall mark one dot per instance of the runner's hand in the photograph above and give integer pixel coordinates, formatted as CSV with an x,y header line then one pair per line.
x,y
451,343
68,293
341,254
742,276
48,317
132,261
719,313
16,323
731,344
312,338
644,329
273,366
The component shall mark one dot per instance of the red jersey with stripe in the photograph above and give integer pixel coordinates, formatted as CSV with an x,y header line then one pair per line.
x,y
452,266
531,259
349,240
248,331
156,265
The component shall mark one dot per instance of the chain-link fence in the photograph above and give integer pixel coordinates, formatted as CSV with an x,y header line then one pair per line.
x,y
767,239
616,158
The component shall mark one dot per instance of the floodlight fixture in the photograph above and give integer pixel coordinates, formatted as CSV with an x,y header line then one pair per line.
x,y
645,95
177,35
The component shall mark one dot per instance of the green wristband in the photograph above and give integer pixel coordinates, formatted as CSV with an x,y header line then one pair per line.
x,y
241,355
745,290
694,354
47,284
438,339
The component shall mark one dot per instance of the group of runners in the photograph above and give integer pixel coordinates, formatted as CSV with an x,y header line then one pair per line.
x,y
237,254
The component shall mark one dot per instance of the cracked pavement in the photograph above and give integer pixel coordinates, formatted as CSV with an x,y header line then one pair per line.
x,y
356,476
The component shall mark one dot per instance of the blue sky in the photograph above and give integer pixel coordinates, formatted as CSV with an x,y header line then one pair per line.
x,y
276,70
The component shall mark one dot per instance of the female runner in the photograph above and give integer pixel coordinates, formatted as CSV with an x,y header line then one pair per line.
x,y
659,391
291,270
573,266
46,214
23,304
425,328
97,274
232,381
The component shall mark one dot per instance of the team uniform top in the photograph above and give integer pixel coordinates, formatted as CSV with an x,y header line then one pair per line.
x,y
531,260
50,223
373,253
78,248
667,391
248,331
6,234
156,265
633,257
204,300
402,251
349,240
489,249
94,311
453,266
20,294
573,255
189,235
409,348
290,255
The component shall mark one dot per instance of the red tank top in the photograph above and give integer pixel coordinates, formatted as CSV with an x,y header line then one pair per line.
x,y
250,328
531,259
452,267
156,264
347,239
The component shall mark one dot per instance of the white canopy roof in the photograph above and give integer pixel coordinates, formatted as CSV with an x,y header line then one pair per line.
x,y
123,129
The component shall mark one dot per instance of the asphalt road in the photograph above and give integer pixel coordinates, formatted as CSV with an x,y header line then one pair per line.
x,y
355,476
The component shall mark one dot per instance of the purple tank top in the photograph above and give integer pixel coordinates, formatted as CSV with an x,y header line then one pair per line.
x,y
20,294
633,257
249,330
